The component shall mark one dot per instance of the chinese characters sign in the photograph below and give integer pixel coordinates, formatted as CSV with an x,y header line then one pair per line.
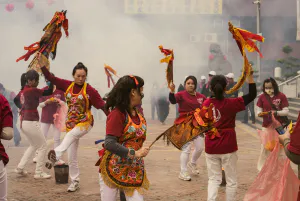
x,y
173,7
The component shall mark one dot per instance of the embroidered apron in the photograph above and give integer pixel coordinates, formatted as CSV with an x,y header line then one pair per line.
x,y
128,175
78,113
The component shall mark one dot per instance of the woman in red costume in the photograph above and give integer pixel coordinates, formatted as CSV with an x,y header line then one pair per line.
x,y
80,96
188,100
122,166
6,133
28,101
221,151
50,106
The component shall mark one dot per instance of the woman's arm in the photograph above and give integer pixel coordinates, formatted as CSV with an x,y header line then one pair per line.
x,y
283,112
17,101
49,91
172,98
95,99
59,83
248,98
112,145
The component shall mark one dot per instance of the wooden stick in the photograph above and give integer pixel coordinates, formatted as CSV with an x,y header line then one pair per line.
x,y
156,139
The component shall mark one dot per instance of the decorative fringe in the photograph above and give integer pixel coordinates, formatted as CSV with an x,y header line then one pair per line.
x,y
129,191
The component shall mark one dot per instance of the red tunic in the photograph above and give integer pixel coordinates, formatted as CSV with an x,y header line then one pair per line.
x,y
50,109
280,101
187,103
115,122
224,112
30,97
6,119
94,97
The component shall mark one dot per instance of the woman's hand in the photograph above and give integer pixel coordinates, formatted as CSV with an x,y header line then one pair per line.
x,y
172,87
142,152
41,62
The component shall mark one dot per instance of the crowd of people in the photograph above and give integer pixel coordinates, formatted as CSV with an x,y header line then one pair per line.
x,y
121,163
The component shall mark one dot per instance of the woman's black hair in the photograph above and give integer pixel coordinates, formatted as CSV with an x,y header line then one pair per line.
x,y
192,78
274,84
119,96
32,75
23,81
79,66
217,85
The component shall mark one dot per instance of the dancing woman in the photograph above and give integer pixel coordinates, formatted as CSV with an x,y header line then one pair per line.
x,y
122,166
50,105
275,103
80,96
6,133
28,101
188,101
221,151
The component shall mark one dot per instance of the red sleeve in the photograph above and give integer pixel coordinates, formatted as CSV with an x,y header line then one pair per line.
x,y
115,123
284,101
6,114
95,98
237,104
59,83
259,102
178,97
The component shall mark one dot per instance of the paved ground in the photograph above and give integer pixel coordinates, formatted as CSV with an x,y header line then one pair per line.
x,y
162,166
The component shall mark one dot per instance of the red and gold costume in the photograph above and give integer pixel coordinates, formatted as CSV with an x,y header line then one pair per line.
x,y
127,175
79,113
195,123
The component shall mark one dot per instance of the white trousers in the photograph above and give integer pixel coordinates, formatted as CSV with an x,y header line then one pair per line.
x,y
36,139
186,150
3,182
215,162
56,133
70,143
110,194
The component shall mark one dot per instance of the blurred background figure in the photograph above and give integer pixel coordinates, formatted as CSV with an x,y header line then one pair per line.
x,y
153,99
230,84
163,103
205,90
9,95
201,84
180,88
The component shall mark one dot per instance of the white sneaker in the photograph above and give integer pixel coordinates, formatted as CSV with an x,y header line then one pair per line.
x,y
193,168
184,176
74,186
21,172
42,175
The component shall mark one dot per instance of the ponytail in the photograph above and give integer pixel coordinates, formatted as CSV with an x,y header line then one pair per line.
x,y
23,81
218,91
218,85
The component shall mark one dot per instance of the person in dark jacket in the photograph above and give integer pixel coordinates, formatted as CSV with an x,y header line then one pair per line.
x,y
206,89
231,83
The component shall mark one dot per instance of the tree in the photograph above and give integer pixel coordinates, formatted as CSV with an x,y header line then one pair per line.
x,y
289,64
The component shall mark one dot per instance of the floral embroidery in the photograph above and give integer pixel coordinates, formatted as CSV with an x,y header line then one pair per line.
x,y
78,114
132,174
123,172
139,132
131,129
